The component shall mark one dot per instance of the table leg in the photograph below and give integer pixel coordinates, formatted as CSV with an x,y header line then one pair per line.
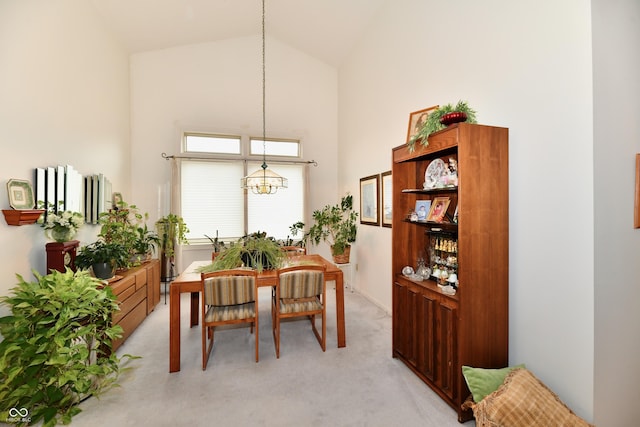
x,y
195,309
342,339
174,327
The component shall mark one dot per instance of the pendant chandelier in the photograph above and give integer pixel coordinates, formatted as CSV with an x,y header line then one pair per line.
x,y
264,180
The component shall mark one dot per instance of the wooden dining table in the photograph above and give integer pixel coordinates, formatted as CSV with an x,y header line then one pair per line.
x,y
189,281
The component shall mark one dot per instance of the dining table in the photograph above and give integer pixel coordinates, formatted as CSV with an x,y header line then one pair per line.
x,y
190,281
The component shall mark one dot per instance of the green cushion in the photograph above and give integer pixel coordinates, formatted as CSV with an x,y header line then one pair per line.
x,y
482,381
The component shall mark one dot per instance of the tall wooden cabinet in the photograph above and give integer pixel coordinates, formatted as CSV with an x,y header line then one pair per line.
x,y
434,333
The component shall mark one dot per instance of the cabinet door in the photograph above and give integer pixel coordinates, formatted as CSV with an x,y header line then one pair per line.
x,y
426,331
403,323
447,346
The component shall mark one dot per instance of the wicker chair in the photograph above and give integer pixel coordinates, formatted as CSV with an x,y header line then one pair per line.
x,y
228,297
301,292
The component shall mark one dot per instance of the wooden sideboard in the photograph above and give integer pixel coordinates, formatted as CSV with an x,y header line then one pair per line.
x,y
138,292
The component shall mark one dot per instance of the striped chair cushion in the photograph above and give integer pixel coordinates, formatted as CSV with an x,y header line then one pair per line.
x,y
230,312
301,284
288,305
229,290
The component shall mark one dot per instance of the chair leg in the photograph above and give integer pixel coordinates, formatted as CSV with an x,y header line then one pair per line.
x,y
207,332
275,325
257,339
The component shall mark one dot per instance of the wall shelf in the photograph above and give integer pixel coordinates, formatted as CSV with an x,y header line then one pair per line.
x,y
22,216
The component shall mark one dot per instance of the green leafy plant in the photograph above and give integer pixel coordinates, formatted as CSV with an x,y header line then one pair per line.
x,y
294,229
171,230
336,225
218,245
432,123
146,241
255,250
125,225
101,251
57,346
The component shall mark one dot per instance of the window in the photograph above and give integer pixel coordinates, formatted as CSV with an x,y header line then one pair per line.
x,y
212,201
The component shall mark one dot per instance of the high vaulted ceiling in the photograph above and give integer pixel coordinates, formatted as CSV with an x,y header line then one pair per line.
x,y
325,29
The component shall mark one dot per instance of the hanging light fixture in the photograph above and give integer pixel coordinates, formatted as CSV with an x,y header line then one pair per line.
x,y
264,180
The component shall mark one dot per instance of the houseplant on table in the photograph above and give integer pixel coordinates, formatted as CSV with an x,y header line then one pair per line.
x,y
336,225
437,119
254,250
57,346
103,258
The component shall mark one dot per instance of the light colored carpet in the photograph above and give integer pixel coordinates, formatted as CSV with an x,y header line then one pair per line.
x,y
359,385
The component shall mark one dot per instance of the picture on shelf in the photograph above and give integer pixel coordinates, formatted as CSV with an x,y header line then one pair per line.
x,y
417,120
422,209
438,209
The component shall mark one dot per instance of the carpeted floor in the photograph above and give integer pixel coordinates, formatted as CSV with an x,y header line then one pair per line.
x,y
359,385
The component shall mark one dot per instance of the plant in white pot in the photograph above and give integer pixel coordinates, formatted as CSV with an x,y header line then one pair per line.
x,y
335,225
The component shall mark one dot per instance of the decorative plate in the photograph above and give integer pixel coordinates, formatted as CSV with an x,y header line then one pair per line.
x,y
20,194
434,174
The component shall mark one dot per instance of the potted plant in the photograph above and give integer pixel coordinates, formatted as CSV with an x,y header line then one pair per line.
x,y
336,225
145,244
125,225
440,118
57,347
172,231
103,258
254,250
294,229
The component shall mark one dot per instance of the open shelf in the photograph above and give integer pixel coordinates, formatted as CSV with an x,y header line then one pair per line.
x,y
22,216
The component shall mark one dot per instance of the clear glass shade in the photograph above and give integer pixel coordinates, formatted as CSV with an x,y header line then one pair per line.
x,y
264,181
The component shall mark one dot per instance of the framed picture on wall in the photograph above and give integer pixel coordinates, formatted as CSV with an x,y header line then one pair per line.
x,y
369,200
387,199
417,119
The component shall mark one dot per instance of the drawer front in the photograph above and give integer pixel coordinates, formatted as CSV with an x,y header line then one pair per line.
x,y
141,278
130,303
122,285
130,322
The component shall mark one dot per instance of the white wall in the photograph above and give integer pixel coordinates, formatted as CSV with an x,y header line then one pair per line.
x,y
525,68
616,43
217,87
64,99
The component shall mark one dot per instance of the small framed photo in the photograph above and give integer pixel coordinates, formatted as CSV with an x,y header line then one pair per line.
x,y
422,209
387,199
417,119
369,200
116,200
438,209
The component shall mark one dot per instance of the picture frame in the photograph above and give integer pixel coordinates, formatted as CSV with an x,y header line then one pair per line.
x,y
369,200
417,119
387,199
423,207
438,210
116,199
20,194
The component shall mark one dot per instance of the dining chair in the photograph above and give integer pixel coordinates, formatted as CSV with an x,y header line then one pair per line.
x,y
293,250
300,292
228,297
